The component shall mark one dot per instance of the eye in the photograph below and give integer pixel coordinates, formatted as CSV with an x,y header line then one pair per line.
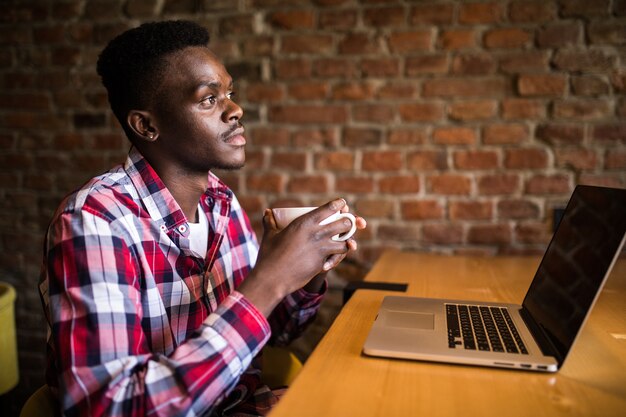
x,y
231,95
209,100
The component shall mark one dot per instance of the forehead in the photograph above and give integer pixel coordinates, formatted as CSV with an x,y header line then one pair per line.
x,y
192,67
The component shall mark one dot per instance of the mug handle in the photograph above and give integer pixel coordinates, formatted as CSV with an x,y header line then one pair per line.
x,y
334,217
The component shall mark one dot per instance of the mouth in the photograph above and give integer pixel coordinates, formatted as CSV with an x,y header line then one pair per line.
x,y
236,138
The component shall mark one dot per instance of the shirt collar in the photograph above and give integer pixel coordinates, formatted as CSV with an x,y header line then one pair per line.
x,y
157,199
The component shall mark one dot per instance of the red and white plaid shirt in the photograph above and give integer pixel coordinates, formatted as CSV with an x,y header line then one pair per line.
x,y
138,324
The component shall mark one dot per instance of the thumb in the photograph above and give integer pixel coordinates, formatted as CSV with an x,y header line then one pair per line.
x,y
269,223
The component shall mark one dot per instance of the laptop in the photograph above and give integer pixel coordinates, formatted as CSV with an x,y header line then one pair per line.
x,y
536,335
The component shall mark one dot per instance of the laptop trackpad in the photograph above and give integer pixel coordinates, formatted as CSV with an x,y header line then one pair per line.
x,y
421,321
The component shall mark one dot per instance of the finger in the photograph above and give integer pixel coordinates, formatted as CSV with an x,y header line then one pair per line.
x,y
361,223
332,261
327,209
269,222
352,245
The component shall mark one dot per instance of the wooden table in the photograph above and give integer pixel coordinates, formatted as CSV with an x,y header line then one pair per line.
x,y
337,380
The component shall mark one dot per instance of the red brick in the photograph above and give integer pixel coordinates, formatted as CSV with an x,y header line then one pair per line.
x,y
449,184
399,184
454,136
264,92
470,210
532,233
357,137
501,134
524,61
472,110
526,158
507,38
455,39
397,90
411,41
443,233
335,67
326,138
473,64
607,33
292,19
406,233
588,60
530,11
382,161
577,158
335,161
436,14
561,133
343,19
426,64
260,136
24,101
461,87
292,68
584,8
259,46
522,108
384,16
581,109
272,183
427,160
406,137
602,180
375,208
490,234
518,209
618,81
303,114
619,7
560,35
615,159
359,43
380,67
421,112
498,184
542,84
310,90
381,113
610,132
471,160
255,159
306,44
422,210
480,12
548,184
353,91
589,85
317,184
354,184
293,161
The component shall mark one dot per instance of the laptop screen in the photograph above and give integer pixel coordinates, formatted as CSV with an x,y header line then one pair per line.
x,y
576,262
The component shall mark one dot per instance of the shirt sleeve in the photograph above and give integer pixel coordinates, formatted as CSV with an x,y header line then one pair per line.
x,y
293,315
103,360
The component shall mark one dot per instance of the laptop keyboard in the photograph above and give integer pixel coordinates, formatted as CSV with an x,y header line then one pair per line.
x,y
483,328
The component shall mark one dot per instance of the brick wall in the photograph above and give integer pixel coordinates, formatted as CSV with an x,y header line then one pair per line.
x,y
452,126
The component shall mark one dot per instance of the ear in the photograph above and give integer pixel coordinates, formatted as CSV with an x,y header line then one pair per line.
x,y
142,124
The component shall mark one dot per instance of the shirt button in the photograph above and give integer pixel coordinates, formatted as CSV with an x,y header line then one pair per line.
x,y
182,228
163,228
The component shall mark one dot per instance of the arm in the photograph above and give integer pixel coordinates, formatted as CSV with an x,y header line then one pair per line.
x,y
105,365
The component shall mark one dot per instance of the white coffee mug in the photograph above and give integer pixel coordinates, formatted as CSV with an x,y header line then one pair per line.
x,y
286,215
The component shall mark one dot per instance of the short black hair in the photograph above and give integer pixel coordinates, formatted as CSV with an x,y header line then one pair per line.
x,y
131,65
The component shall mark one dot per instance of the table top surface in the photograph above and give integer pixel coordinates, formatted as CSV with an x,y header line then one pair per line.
x,y
338,380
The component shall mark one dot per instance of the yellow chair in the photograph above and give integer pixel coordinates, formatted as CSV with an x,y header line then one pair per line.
x,y
280,366
41,404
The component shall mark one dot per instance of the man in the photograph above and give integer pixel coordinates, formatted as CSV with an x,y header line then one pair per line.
x,y
155,290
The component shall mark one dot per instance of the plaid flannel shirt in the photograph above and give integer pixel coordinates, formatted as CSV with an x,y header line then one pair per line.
x,y
138,324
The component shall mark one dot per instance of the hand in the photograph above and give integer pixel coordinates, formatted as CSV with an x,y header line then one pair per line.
x,y
288,259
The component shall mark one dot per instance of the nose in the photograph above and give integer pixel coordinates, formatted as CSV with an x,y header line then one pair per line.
x,y
232,112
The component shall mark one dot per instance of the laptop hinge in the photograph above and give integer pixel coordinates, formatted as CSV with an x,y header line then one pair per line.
x,y
541,337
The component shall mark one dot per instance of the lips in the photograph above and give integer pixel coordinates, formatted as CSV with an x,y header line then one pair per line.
x,y
236,137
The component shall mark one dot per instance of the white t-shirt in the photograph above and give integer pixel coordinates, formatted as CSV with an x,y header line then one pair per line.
x,y
199,234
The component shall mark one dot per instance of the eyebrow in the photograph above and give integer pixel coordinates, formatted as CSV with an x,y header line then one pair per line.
x,y
212,84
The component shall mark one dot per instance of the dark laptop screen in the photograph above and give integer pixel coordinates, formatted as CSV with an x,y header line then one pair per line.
x,y
576,262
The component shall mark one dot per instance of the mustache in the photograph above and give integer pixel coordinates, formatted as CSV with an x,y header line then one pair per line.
x,y
231,130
